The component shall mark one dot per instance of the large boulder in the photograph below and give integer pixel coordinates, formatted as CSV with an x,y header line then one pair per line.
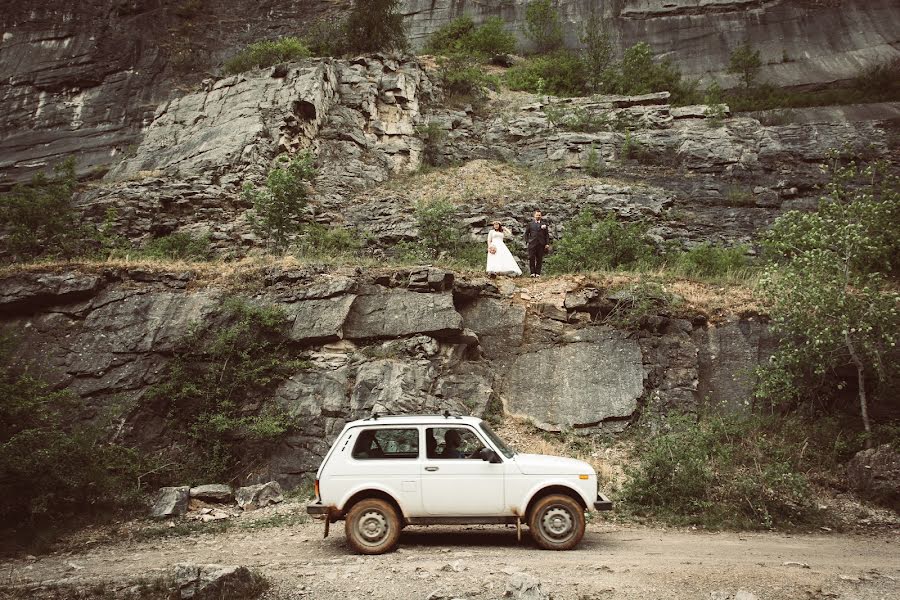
x,y
171,502
252,497
209,582
875,474
213,492
579,384
395,313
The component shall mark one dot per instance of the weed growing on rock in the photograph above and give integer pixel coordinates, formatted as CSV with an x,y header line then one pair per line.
x,y
264,54
592,244
633,149
38,218
178,246
218,388
462,36
54,462
720,471
634,302
593,164
278,205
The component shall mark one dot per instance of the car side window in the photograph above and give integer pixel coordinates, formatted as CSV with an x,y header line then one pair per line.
x,y
386,443
452,442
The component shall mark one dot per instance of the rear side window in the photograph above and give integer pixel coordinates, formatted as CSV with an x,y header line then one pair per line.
x,y
386,443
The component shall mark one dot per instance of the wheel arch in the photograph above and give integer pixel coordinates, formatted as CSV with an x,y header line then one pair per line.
x,y
553,489
369,493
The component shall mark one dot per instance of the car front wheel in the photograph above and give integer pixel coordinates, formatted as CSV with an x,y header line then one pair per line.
x,y
557,522
372,526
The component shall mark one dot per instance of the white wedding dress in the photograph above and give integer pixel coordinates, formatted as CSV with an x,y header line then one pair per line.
x,y
502,261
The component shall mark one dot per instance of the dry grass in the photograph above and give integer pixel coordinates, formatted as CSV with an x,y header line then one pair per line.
x,y
492,183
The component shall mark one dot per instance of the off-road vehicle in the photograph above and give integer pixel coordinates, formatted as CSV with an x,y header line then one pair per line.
x,y
384,473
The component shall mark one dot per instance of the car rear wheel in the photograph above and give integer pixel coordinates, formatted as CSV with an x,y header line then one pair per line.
x,y
372,526
557,522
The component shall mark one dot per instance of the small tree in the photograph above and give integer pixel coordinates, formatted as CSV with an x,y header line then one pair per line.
x,y
38,219
745,62
832,285
376,26
277,206
542,25
598,50
592,244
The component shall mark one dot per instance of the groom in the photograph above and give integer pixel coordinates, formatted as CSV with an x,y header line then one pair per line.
x,y
537,240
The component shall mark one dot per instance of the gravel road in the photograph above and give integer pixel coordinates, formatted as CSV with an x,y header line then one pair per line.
x,y
613,561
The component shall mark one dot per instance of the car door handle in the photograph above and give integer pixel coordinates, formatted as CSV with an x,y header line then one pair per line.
x,y
431,469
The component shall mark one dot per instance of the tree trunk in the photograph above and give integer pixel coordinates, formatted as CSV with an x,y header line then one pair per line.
x,y
861,376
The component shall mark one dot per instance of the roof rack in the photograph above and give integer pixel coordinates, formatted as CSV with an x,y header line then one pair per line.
x,y
446,415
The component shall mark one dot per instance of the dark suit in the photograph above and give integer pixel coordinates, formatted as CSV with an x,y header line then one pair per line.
x,y
537,238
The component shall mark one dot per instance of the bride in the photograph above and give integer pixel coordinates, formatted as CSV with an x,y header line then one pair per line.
x,y
500,259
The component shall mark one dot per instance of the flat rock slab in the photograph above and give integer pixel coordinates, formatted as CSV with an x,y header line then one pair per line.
x,y
321,320
395,313
215,492
576,385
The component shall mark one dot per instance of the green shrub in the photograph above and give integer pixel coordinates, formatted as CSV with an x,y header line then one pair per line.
x,y
561,73
217,390
542,26
433,137
634,302
709,260
442,236
277,207
732,471
638,73
179,246
463,80
319,241
53,462
38,219
589,244
593,164
745,62
461,36
375,26
633,149
327,37
265,54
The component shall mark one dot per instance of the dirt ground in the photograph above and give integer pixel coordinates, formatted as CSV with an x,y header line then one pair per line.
x,y
613,561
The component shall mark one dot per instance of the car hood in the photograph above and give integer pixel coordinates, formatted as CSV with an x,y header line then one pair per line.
x,y
541,464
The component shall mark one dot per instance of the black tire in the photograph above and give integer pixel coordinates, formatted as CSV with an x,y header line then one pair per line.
x,y
372,526
557,522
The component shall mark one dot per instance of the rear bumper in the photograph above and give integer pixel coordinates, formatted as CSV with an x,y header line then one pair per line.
x,y
602,502
317,509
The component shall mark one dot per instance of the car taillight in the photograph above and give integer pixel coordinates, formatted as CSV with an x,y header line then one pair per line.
x,y
317,490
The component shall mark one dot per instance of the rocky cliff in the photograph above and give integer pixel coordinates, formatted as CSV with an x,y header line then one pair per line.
x,y
801,42
415,340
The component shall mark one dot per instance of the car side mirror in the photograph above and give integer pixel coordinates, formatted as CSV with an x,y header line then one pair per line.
x,y
489,455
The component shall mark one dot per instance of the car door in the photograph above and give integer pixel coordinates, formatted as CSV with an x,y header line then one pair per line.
x,y
455,485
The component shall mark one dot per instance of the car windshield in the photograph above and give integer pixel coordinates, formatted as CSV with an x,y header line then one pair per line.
x,y
495,439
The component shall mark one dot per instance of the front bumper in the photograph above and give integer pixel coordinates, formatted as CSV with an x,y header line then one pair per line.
x,y
602,502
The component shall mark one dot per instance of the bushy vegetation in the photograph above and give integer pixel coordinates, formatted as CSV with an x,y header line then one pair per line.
x,y
592,244
462,36
432,136
320,241
277,206
327,37
542,26
375,26
710,260
463,80
38,219
736,471
217,390
54,463
561,73
266,54
832,285
178,246
442,236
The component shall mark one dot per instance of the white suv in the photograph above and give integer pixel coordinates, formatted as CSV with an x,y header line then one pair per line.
x,y
377,477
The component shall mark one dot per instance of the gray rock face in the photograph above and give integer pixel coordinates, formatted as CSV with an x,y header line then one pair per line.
x,y
206,582
30,291
397,313
875,474
170,502
257,496
576,385
499,325
730,352
801,43
321,320
213,492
